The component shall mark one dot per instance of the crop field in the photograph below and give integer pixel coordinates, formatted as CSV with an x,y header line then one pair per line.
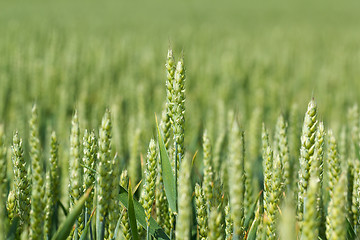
x,y
179,120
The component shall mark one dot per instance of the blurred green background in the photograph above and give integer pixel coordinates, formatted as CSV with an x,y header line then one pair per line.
x,y
239,55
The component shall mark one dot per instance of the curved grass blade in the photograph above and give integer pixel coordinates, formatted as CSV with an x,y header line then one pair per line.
x,y
251,235
131,214
167,173
86,229
350,230
155,230
118,224
193,159
63,208
66,227
136,187
89,168
251,215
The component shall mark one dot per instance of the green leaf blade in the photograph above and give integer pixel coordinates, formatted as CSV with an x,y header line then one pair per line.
x,y
167,173
251,215
131,214
155,230
86,229
66,227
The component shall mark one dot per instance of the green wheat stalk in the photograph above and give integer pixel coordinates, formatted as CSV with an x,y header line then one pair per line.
x,y
215,225
236,171
306,151
183,224
336,218
21,182
90,150
178,111
167,114
334,164
150,179
282,148
3,183
103,178
201,212
114,205
52,187
310,224
208,170
37,193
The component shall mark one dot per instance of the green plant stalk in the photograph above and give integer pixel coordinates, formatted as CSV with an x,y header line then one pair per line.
x,y
201,212
37,194
236,171
126,226
75,171
317,166
356,197
21,182
52,188
283,150
148,236
215,222
273,199
3,183
229,228
183,222
3,166
165,126
267,166
150,178
178,111
89,160
334,164
306,151
267,155
310,222
161,202
208,180
114,206
103,181
167,115
354,126
335,220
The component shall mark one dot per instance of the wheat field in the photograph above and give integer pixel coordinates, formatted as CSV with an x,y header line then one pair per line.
x,y
189,120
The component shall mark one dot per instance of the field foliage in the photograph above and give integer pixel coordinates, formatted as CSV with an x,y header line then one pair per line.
x,y
232,120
